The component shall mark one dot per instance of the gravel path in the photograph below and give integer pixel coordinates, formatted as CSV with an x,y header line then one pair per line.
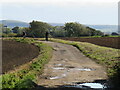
x,y
68,65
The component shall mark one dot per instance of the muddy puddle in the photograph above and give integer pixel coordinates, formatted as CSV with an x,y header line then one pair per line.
x,y
71,68
82,69
58,77
95,85
83,86
66,70
58,65
58,68
87,86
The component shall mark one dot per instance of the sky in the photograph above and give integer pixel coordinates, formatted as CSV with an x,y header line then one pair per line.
x,y
103,12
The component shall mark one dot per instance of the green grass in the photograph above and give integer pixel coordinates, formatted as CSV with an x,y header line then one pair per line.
x,y
24,78
108,57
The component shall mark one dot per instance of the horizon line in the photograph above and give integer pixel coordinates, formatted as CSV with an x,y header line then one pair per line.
x,y
56,22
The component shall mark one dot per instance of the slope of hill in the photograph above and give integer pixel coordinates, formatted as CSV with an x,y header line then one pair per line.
x,y
108,29
57,24
14,23
105,28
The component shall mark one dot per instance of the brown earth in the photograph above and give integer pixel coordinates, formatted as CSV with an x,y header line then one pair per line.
x,y
15,54
113,42
67,66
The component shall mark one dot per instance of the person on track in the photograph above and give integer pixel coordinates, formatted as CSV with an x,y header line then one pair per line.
x,y
46,35
24,34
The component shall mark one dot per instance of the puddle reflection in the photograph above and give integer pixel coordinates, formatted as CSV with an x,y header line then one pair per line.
x,y
83,69
87,86
58,77
58,68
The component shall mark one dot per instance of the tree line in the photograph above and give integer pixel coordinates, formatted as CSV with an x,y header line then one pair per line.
x,y
38,29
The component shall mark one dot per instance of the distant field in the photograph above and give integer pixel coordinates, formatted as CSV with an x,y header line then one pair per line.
x,y
16,53
113,42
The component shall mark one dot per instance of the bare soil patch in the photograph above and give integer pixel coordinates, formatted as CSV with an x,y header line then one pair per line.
x,y
15,54
113,42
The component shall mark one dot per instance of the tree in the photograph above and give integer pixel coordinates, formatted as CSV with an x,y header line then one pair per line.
x,y
74,29
38,29
18,30
58,31
27,31
6,30
114,33
15,29
99,33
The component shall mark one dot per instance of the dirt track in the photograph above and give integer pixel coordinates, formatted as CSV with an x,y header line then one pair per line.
x,y
68,65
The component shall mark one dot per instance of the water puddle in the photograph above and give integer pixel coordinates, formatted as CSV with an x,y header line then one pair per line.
x,y
58,77
93,85
96,85
59,65
87,86
72,68
82,69
58,68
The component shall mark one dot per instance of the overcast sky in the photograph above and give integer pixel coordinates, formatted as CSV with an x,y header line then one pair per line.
x,y
61,11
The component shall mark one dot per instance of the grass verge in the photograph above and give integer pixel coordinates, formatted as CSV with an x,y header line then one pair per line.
x,y
24,78
108,57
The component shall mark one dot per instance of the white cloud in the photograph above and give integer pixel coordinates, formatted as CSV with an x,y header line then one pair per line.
x,y
59,10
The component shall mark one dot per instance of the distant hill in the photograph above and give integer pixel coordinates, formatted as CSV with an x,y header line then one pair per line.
x,y
14,23
108,29
105,28
57,24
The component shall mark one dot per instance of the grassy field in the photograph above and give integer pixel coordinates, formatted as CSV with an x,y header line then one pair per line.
x,y
24,78
108,57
